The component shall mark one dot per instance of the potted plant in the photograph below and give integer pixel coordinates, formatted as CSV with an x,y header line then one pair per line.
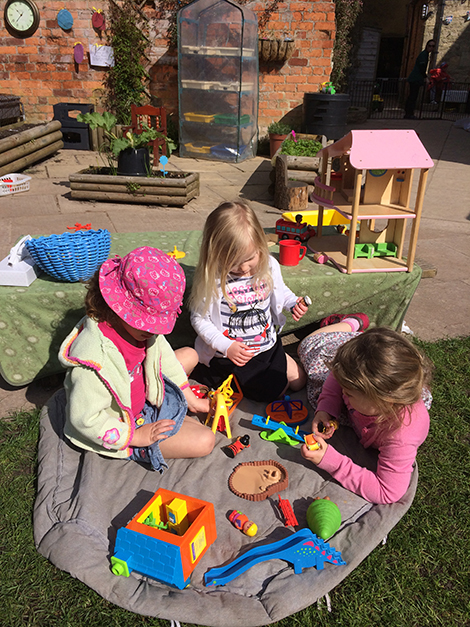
x,y
277,132
131,150
300,146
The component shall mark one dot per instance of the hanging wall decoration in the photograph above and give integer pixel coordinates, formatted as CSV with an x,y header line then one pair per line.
x,y
98,20
65,19
78,52
101,56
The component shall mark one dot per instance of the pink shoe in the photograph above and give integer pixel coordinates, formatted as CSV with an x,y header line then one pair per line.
x,y
335,318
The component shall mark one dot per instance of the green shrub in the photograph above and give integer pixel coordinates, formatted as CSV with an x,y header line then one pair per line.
x,y
279,128
301,147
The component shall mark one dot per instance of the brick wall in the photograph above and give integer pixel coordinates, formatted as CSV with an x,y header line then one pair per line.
x,y
453,39
41,69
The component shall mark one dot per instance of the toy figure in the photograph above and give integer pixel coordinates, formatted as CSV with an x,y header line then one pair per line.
x,y
242,442
240,521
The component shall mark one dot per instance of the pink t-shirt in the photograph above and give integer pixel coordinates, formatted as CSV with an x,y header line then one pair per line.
x,y
397,450
134,357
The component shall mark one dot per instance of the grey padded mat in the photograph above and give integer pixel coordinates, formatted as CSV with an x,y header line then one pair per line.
x,y
84,498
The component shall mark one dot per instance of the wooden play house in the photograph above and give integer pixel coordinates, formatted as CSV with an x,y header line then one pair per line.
x,y
372,190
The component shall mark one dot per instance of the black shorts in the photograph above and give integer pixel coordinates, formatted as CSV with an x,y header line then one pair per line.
x,y
263,378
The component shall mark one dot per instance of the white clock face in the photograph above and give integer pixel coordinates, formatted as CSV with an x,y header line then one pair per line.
x,y
21,17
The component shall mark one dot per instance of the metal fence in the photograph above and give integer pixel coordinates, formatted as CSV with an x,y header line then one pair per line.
x,y
384,98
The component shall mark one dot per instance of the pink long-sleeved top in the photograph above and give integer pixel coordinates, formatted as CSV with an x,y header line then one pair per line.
x,y
397,450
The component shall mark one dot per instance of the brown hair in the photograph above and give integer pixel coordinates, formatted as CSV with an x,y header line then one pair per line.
x,y
228,233
95,305
388,369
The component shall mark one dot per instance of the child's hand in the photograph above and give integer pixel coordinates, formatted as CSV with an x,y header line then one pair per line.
x,y
299,309
317,455
151,433
328,429
198,405
239,353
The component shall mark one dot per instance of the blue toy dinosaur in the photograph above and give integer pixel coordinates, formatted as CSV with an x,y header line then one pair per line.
x,y
303,549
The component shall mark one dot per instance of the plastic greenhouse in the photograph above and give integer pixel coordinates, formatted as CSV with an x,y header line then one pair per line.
x,y
218,81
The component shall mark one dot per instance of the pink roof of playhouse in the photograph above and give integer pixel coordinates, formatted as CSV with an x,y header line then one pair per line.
x,y
388,149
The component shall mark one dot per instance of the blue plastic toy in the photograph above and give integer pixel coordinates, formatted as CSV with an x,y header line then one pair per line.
x,y
303,549
163,161
267,423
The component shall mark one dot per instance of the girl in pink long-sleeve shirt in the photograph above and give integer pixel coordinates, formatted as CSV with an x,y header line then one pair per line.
x,y
377,379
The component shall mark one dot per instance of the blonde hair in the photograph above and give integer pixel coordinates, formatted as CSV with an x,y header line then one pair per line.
x,y
388,369
229,232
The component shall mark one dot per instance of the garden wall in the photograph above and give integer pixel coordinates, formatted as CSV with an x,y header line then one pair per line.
x,y
41,69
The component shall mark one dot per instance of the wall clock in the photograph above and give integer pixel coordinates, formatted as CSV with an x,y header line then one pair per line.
x,y
21,18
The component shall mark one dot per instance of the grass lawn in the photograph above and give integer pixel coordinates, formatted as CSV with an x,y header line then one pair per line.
x,y
420,578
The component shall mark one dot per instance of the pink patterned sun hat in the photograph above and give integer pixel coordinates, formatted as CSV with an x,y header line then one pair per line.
x,y
145,289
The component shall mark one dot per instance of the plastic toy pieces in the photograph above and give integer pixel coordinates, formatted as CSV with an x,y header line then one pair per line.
x,y
278,436
201,391
242,442
176,254
267,423
292,412
333,423
80,227
240,521
287,512
160,554
303,549
223,402
310,442
323,517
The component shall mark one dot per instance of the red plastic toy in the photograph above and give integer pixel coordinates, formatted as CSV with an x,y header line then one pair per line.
x,y
287,512
298,230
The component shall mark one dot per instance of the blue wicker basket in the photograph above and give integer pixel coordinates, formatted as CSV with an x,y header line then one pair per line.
x,y
71,256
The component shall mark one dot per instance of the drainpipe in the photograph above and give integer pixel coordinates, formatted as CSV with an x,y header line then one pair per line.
x,y
437,32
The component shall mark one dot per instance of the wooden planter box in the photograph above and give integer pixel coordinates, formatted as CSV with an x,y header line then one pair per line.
x,y
304,169
141,190
24,148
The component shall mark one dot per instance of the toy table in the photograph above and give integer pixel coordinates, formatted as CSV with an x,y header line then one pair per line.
x,y
35,320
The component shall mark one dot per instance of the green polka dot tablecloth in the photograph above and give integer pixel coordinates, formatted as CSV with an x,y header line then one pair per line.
x,y
35,320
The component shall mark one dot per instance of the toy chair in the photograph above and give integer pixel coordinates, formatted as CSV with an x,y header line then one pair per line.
x,y
153,117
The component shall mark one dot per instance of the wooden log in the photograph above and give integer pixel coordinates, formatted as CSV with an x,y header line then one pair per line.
x,y
84,177
131,188
288,195
177,201
28,160
9,156
302,175
303,163
25,136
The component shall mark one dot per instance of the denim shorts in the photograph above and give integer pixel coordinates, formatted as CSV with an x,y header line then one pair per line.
x,y
174,407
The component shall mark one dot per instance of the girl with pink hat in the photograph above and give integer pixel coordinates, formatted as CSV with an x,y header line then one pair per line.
x,y
127,390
